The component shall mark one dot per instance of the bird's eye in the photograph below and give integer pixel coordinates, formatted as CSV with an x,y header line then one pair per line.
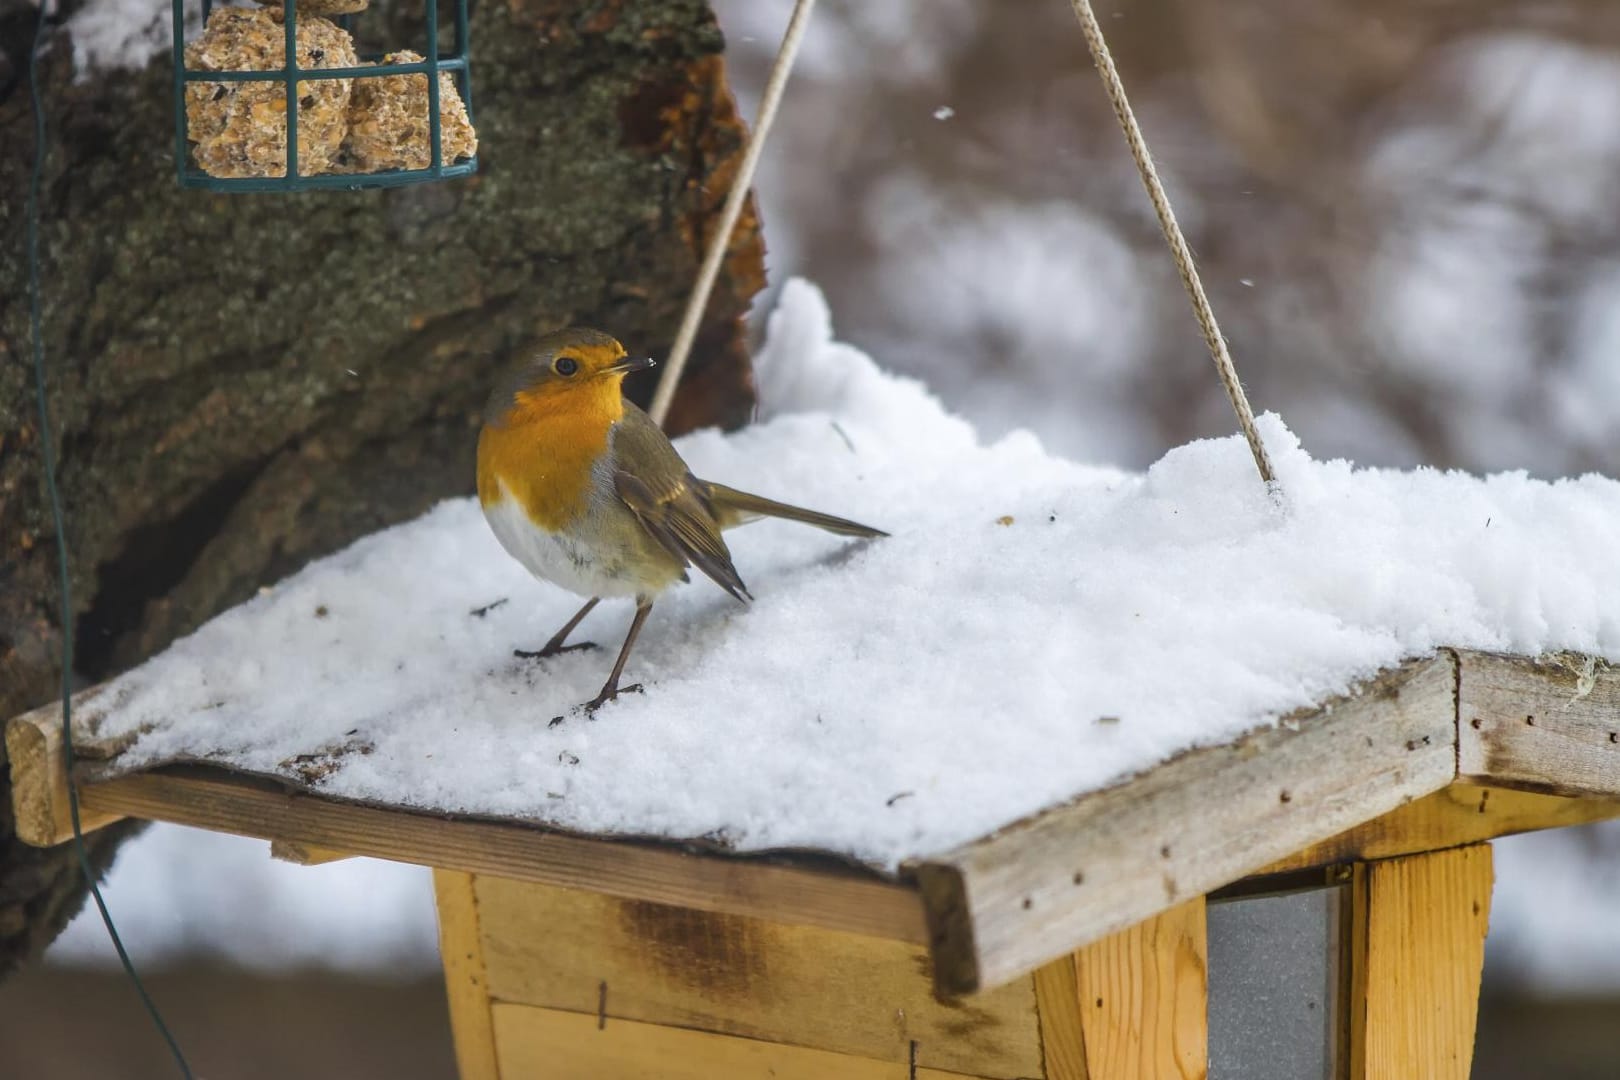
x,y
565,365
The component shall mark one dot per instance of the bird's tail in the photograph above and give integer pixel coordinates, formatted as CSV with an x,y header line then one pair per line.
x,y
737,507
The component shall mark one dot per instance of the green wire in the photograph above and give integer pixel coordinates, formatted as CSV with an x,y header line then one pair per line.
x,y
48,450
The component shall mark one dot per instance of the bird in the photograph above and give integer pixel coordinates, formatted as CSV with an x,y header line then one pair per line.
x,y
582,488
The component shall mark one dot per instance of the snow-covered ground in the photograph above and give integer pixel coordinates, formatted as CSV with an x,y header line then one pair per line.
x,y
1020,599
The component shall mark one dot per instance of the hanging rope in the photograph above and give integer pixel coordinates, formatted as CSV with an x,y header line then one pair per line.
x,y
721,239
47,444
1173,236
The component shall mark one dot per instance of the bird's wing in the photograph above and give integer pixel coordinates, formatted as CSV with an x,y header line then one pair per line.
x,y
671,504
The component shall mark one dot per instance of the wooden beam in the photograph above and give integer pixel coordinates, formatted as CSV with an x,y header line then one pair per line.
x,y
465,984
1549,725
1057,1004
1452,817
833,898
39,787
1007,904
1144,999
1418,947
535,1042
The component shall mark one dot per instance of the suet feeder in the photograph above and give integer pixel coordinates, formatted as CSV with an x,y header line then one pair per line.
x,y
278,99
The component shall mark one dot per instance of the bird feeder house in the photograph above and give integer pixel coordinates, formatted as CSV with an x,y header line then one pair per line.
x,y
278,99
1309,900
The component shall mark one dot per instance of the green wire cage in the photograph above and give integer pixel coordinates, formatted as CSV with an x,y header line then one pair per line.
x,y
234,132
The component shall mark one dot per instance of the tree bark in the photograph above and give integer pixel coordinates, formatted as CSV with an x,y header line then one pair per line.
x,y
239,383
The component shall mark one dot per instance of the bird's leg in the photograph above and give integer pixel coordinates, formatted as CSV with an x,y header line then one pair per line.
x,y
610,689
555,645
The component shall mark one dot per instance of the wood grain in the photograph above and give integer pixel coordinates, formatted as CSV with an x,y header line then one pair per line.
x,y
1144,999
1333,785
1452,817
39,787
1548,725
1418,927
1005,905
739,975
830,898
539,1044
1057,1000
465,983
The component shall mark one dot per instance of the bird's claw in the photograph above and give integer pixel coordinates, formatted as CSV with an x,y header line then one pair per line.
x,y
589,707
551,650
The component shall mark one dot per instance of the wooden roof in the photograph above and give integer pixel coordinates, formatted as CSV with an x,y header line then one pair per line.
x,y
1439,752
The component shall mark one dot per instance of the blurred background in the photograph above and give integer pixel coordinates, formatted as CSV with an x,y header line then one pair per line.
x,y
1407,214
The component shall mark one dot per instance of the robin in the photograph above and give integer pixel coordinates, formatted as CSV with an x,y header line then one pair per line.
x,y
580,486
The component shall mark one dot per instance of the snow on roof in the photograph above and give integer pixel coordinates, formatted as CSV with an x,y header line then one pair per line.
x,y
1033,629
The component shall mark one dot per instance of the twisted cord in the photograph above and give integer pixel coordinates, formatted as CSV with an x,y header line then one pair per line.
x,y
721,238
1224,367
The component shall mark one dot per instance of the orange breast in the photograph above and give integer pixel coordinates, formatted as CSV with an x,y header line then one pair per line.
x,y
543,452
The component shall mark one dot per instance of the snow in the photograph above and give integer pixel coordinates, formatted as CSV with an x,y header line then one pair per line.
x,y
119,35
965,661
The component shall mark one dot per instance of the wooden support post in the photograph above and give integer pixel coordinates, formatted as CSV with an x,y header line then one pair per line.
x,y
1418,945
461,949
1057,1002
1133,1006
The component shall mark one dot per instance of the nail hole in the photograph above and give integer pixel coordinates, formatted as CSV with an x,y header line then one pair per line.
x,y
1080,878
1164,852
1028,903
1476,723
1531,720
1285,797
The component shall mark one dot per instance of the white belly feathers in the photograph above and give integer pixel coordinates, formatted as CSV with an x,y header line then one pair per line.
x,y
560,559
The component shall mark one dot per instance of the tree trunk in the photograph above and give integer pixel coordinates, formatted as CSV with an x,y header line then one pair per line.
x,y
239,383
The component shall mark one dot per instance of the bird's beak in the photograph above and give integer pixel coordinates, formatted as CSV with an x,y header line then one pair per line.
x,y
629,365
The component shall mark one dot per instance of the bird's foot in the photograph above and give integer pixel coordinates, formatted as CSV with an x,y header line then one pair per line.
x,y
606,696
589,708
551,649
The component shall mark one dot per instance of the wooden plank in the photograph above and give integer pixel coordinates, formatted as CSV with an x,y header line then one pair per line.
x,y
1057,1000
1144,998
465,983
1452,817
543,1043
1417,958
301,854
39,788
739,975
1548,725
1004,905
832,898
